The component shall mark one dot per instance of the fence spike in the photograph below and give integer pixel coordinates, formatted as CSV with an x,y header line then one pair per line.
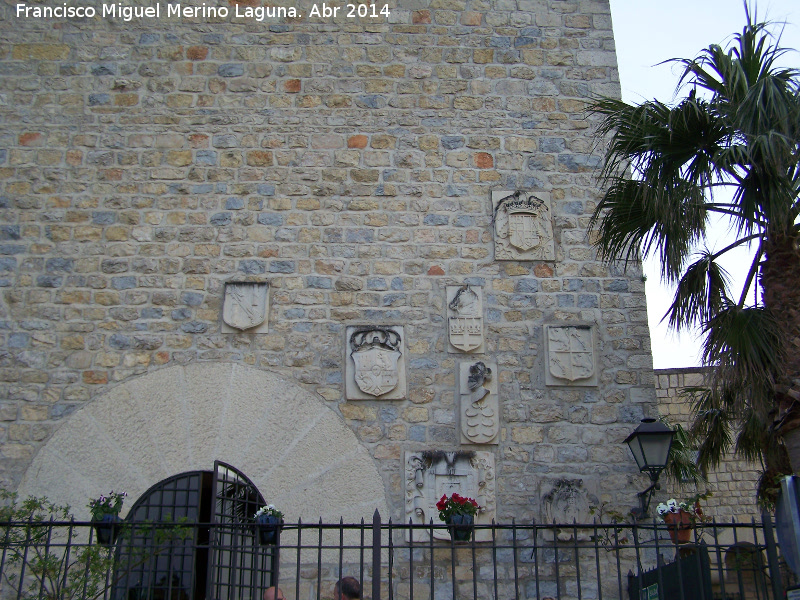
x,y
376,555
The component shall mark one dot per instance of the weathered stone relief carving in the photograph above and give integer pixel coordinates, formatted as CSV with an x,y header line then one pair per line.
x,y
480,406
245,307
434,473
570,355
567,501
375,363
523,226
465,319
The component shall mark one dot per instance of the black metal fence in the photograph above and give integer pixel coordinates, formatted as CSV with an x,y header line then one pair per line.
x,y
182,561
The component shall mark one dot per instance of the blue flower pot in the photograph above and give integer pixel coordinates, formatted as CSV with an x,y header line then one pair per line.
x,y
107,529
461,527
268,529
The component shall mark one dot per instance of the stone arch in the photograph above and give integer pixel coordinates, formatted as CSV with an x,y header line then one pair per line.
x,y
744,569
297,451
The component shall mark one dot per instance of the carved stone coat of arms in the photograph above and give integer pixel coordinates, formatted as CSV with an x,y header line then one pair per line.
x,y
568,502
523,226
245,306
570,355
465,318
375,364
433,473
480,407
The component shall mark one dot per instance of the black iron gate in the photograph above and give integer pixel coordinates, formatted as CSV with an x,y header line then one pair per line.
x,y
238,565
220,560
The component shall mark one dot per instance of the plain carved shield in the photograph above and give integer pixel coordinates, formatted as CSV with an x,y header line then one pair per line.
x,y
376,369
571,354
245,304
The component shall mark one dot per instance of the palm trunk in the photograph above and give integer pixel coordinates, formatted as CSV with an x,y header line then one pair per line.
x,y
780,280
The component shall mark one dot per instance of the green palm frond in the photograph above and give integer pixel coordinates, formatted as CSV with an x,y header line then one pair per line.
x,y
712,428
682,466
700,293
759,103
744,344
670,152
752,438
636,217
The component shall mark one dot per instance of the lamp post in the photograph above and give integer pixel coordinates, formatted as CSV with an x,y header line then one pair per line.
x,y
650,444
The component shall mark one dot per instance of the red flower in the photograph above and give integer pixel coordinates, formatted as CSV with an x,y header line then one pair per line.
x,y
456,504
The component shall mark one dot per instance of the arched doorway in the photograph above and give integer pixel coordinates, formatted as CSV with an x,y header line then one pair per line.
x,y
183,418
745,568
220,558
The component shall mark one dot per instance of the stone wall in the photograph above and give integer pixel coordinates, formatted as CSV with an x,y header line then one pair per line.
x,y
350,164
733,484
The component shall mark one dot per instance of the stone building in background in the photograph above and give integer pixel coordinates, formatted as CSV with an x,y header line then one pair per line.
x,y
733,484
347,256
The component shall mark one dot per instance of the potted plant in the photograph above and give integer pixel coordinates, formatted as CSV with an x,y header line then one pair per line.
x,y
459,513
269,521
105,516
681,517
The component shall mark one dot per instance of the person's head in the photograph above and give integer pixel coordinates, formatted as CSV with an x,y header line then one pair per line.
x,y
273,593
347,588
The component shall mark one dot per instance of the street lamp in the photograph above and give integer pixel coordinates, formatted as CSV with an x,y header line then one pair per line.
x,y
650,444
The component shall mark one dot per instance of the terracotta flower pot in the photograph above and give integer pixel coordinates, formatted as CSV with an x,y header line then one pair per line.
x,y
679,525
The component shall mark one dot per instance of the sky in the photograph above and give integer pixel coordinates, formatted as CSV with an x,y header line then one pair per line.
x,y
646,33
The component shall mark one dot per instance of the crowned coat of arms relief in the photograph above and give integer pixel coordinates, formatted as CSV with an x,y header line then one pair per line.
x,y
375,363
523,226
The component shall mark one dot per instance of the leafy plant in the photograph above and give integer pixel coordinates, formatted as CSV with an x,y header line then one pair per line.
x,y
46,561
107,505
691,506
269,510
609,534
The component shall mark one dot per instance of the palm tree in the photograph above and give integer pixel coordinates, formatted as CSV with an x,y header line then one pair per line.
x,y
730,147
